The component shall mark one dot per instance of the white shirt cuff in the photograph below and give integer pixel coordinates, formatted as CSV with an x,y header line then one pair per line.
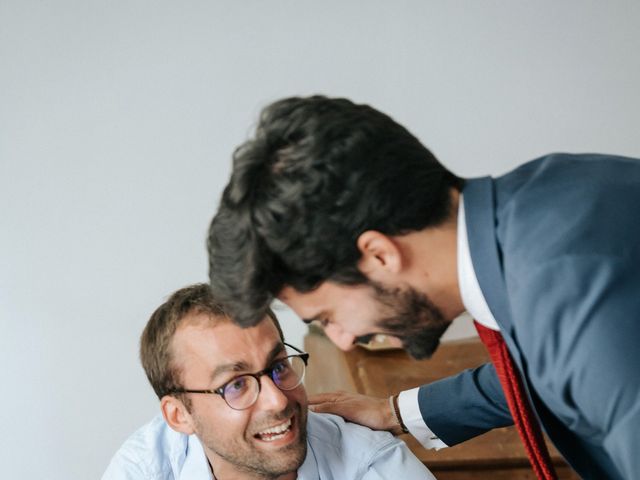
x,y
412,419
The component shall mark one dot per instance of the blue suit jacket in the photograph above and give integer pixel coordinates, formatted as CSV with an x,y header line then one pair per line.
x,y
556,248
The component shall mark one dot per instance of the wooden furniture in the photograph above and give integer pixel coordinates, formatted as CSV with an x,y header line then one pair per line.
x,y
496,455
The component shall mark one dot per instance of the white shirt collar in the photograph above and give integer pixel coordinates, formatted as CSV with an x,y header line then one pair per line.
x,y
472,297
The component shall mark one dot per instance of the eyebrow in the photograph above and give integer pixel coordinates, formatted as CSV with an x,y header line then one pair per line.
x,y
243,366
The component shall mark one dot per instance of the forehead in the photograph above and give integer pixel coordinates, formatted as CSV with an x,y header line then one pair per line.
x,y
202,343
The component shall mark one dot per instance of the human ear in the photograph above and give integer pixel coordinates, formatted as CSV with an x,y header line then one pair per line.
x,y
176,415
380,256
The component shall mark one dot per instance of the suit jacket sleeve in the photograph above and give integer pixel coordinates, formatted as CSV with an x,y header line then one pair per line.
x,y
466,405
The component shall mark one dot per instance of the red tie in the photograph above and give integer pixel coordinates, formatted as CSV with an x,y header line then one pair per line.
x,y
521,411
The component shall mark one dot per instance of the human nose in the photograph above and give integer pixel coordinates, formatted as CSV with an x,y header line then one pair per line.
x,y
271,397
343,340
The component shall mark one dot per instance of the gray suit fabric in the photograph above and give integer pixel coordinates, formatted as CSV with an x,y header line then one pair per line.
x,y
556,248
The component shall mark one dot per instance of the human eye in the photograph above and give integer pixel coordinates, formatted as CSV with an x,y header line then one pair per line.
x,y
281,367
237,385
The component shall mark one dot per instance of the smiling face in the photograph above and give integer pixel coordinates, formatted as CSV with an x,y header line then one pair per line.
x,y
266,440
352,313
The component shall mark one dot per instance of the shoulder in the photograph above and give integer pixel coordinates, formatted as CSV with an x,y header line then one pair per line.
x,y
334,430
150,452
351,450
568,204
567,176
577,166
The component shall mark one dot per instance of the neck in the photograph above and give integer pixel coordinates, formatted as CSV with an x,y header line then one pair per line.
x,y
224,471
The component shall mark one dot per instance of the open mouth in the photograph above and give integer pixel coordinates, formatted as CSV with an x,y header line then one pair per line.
x,y
276,432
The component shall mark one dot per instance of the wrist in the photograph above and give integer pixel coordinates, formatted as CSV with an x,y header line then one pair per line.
x,y
398,425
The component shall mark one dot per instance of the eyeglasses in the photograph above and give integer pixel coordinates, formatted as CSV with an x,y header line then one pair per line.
x,y
242,391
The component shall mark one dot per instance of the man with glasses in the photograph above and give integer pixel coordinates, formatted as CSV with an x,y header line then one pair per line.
x,y
234,407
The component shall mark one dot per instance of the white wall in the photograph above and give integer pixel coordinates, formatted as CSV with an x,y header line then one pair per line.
x,y
117,120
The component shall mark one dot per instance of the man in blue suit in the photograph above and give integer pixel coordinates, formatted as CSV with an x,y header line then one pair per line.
x,y
342,214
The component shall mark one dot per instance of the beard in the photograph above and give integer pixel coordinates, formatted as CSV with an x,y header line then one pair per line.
x,y
411,317
243,455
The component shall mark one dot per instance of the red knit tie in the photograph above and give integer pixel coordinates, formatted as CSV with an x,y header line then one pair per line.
x,y
521,411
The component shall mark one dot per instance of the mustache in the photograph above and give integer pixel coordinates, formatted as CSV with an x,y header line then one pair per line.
x,y
268,421
410,316
418,341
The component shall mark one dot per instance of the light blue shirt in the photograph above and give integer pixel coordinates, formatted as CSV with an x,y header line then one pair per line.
x,y
336,450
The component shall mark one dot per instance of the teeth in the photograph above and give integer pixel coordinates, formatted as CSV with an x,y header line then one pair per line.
x,y
278,429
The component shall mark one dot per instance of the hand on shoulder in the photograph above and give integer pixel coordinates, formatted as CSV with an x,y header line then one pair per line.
x,y
371,412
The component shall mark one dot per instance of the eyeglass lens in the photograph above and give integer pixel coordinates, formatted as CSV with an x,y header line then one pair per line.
x,y
243,391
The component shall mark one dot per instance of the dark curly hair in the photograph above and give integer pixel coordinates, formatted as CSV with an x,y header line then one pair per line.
x,y
318,172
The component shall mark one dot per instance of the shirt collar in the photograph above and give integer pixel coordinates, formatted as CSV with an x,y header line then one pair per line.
x,y
472,297
196,465
309,468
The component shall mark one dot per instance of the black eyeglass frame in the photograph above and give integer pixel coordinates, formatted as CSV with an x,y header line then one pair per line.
x,y
267,371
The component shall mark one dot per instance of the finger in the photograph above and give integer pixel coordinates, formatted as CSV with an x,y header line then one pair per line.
x,y
331,397
320,408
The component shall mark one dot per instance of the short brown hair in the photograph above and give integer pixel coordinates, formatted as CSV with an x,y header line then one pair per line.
x,y
155,342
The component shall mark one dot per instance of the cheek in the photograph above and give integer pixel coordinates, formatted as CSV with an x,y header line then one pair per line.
x,y
298,395
220,421
362,316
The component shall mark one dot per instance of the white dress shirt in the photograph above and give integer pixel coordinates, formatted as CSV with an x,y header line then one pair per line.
x,y
476,305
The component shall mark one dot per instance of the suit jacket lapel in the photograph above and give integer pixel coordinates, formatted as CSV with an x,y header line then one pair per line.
x,y
480,217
